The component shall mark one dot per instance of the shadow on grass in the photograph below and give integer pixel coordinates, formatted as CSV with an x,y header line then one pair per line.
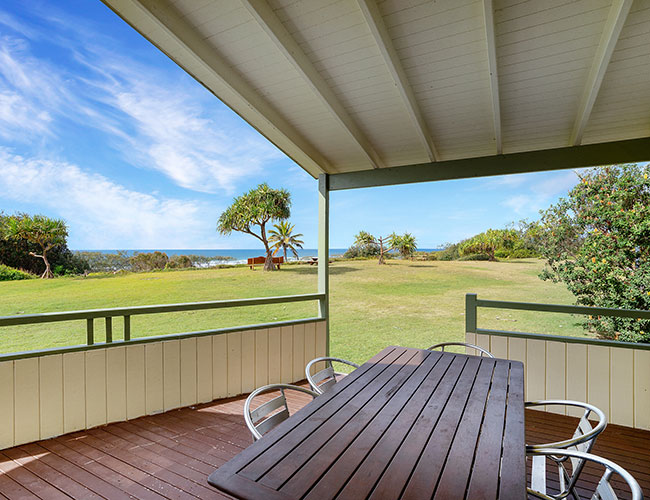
x,y
313,270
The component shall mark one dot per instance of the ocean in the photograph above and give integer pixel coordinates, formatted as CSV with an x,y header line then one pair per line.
x,y
236,255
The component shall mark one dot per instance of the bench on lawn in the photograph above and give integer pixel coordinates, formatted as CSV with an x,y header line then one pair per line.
x,y
253,261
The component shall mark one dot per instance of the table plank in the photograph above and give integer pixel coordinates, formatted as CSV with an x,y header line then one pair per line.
x,y
407,424
514,456
369,466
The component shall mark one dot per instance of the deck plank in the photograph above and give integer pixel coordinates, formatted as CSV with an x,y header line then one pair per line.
x,y
177,451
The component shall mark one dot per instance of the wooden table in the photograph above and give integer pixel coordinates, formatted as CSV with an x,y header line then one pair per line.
x,y
407,424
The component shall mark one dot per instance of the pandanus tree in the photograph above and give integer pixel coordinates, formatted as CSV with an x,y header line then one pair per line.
x,y
252,211
283,238
45,232
365,240
405,244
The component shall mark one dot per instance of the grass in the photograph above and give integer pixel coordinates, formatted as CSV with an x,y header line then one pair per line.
x,y
401,303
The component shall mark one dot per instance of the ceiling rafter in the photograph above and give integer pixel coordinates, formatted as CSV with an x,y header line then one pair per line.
x,y
613,27
202,62
283,40
379,32
488,16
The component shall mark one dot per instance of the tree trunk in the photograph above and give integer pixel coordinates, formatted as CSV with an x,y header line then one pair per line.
x,y
47,274
268,263
285,253
381,251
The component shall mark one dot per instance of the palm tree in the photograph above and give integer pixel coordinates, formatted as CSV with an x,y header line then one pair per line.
x,y
282,237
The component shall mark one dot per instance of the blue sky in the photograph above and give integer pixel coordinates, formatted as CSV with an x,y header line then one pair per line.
x,y
101,129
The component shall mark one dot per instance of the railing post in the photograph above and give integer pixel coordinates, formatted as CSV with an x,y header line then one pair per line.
x,y
470,313
90,331
127,327
324,253
109,329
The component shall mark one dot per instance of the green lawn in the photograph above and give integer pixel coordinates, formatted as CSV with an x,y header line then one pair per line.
x,y
404,303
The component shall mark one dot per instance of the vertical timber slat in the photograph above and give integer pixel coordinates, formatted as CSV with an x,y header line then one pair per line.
x,y
642,389
220,365
204,369
286,356
247,360
95,387
116,384
74,391
136,394
261,357
598,377
153,354
188,372
26,400
51,395
7,406
171,374
576,382
556,374
274,359
621,381
234,364
536,369
298,353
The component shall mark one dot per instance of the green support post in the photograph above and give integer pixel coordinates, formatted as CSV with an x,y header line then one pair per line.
x,y
470,312
109,329
324,252
90,331
127,327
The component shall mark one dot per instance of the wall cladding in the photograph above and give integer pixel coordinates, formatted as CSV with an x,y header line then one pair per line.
x,y
47,396
615,379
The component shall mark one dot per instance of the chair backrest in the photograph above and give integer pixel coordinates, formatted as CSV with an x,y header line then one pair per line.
x,y
264,418
480,351
323,380
582,441
603,491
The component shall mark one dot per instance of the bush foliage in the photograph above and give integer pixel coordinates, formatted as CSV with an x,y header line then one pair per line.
x,y
10,274
597,241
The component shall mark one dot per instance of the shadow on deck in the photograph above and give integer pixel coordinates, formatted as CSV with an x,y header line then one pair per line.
x,y
171,455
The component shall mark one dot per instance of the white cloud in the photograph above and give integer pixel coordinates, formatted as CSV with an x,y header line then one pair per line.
x,y
101,213
154,120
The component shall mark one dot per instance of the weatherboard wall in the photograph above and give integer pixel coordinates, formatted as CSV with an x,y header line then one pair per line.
x,y
50,395
615,379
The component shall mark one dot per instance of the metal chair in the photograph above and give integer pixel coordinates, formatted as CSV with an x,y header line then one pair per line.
x,y
603,491
582,441
481,352
327,375
262,419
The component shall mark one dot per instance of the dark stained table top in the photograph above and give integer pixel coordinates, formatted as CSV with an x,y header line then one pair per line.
x,y
407,424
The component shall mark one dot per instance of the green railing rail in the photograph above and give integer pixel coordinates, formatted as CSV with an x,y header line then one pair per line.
x,y
472,303
126,312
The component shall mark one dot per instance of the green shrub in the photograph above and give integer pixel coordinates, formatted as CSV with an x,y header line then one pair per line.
x,y
179,262
450,251
142,262
365,251
475,256
10,274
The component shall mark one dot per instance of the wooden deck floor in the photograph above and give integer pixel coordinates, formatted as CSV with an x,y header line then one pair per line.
x,y
170,455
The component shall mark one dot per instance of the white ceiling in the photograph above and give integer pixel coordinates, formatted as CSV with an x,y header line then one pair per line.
x,y
349,85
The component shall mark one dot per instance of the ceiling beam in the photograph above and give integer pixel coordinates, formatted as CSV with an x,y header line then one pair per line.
x,y
488,15
283,40
591,155
161,24
378,29
615,21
